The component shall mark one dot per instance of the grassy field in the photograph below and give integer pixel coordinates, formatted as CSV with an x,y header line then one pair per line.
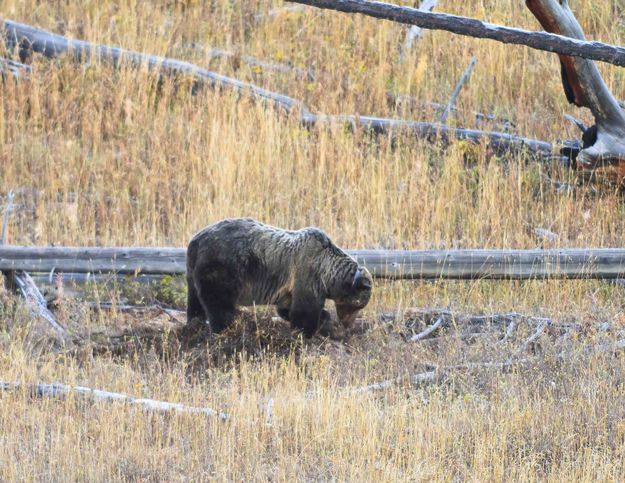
x,y
98,156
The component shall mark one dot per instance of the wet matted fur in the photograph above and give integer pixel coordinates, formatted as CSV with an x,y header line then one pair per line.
x,y
244,262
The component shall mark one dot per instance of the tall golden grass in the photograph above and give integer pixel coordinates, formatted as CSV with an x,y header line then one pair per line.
x,y
99,156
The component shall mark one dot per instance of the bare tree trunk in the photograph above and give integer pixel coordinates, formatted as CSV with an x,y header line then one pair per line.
x,y
604,144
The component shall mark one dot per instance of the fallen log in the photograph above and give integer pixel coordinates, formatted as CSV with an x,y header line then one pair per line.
x,y
572,263
436,132
52,45
440,374
62,391
602,150
471,27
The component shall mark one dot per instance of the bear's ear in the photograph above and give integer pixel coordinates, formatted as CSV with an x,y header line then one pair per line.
x,y
362,280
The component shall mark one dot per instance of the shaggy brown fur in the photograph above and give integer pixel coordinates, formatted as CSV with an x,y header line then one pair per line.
x,y
244,262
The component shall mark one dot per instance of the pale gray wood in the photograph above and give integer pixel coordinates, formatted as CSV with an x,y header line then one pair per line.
x,y
37,303
589,88
52,45
454,95
414,32
61,391
16,69
5,217
424,333
582,263
471,27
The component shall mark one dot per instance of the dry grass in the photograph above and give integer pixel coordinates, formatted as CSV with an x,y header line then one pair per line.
x,y
105,157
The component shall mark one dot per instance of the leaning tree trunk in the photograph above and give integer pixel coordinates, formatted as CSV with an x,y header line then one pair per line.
x,y
603,149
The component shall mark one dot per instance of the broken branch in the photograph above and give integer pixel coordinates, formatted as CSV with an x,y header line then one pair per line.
x,y
37,303
423,334
456,92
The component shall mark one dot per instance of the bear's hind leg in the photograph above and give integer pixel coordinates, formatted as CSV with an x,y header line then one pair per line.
x,y
195,311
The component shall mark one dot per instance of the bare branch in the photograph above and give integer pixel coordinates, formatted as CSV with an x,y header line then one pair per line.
x,y
456,92
423,334
62,391
476,28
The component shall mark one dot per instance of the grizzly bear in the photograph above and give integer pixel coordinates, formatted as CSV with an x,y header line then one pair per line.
x,y
244,262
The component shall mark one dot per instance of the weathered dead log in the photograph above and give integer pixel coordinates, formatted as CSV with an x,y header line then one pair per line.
x,y
62,391
52,45
603,147
578,263
440,374
450,319
435,132
476,28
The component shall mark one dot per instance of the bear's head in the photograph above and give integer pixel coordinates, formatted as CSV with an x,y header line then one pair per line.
x,y
355,295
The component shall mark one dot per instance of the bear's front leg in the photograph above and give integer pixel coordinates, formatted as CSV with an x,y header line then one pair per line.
x,y
306,310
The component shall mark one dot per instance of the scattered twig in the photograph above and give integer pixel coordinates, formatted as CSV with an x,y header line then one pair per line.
x,y
537,333
440,373
457,89
61,391
576,122
423,334
545,235
510,330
